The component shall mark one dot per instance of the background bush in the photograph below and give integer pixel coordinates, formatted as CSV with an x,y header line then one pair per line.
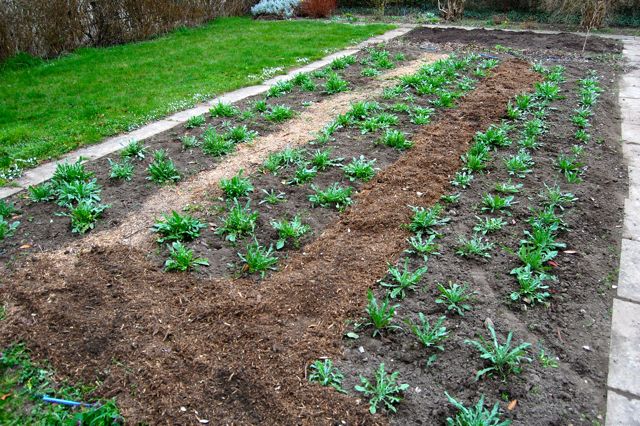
x,y
47,28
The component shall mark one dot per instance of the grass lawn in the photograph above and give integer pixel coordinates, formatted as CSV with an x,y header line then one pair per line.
x,y
48,108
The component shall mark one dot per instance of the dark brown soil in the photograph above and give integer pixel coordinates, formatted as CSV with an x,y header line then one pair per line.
x,y
176,348
525,40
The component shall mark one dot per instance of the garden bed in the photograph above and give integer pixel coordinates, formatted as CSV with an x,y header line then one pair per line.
x,y
231,346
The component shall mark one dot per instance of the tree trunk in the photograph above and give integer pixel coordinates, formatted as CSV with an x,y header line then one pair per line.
x,y
452,10
594,13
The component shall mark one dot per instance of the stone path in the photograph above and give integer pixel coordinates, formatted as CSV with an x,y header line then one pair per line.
x,y
623,393
44,172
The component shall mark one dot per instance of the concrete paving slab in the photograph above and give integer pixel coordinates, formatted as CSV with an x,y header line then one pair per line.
x,y
185,115
624,361
622,411
9,191
629,275
630,132
631,226
631,153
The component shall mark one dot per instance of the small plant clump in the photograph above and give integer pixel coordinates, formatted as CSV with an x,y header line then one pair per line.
x,y
222,109
455,297
384,390
292,229
122,170
236,187
324,373
162,169
258,258
380,315
360,168
176,227
182,258
429,335
333,196
476,415
403,280
240,221
503,359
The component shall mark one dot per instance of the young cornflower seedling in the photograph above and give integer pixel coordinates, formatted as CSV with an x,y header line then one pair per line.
x,y
279,113
216,144
455,298
377,122
400,107
475,246
532,288
240,221
224,110
477,415
304,173
502,358
425,220
301,79
582,135
189,142
69,173
513,112
403,280
543,237
495,136
423,247
529,142
568,165
535,258
342,63
508,187
496,203
385,390
70,193
335,84
134,151
519,165
545,360
421,116
547,90
573,177
396,139
84,216
195,121
360,168
123,170
547,216
445,99
177,227
554,197
293,229
182,259
489,225
370,72
466,84
324,373
162,169
451,198
380,315
334,195
580,121
475,162
322,160
429,335
362,110
389,93
258,258
280,89
462,179
273,197
523,101
7,229
239,134
236,187
480,73
42,193
260,106
7,210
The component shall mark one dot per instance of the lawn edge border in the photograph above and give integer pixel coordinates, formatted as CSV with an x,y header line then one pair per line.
x,y
44,172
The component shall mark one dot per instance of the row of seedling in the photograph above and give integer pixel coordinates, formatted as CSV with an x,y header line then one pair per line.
x,y
502,358
241,220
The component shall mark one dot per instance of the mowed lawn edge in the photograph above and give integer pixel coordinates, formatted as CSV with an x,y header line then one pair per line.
x,y
48,108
